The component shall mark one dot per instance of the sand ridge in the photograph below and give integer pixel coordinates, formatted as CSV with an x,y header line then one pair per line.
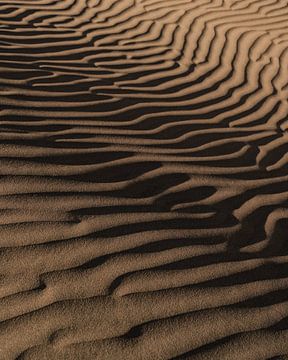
x,y
143,187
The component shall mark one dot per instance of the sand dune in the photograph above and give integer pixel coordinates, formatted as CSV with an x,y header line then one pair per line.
x,y
144,179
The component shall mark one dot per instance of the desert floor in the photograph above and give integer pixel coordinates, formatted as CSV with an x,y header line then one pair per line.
x,y
144,179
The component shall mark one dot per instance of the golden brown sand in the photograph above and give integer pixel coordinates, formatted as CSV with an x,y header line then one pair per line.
x,y
144,179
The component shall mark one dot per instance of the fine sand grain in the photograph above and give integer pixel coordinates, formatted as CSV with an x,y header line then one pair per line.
x,y
144,179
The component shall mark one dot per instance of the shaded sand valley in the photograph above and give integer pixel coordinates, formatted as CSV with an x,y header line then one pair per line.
x,y
144,179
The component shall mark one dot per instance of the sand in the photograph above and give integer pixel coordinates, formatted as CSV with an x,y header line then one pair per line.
x,y
144,179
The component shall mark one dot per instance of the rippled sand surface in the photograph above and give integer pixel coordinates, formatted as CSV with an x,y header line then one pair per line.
x,y
144,179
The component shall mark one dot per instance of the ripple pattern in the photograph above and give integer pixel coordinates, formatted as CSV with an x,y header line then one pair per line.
x,y
144,179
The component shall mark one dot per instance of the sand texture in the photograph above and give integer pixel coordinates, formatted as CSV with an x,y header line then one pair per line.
x,y
144,179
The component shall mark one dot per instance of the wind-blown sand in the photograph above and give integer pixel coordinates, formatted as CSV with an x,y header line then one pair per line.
x,y
144,179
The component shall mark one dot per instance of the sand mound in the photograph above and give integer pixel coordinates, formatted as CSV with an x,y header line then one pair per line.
x,y
144,179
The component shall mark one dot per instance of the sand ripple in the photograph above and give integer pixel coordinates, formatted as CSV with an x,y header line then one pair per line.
x,y
144,179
